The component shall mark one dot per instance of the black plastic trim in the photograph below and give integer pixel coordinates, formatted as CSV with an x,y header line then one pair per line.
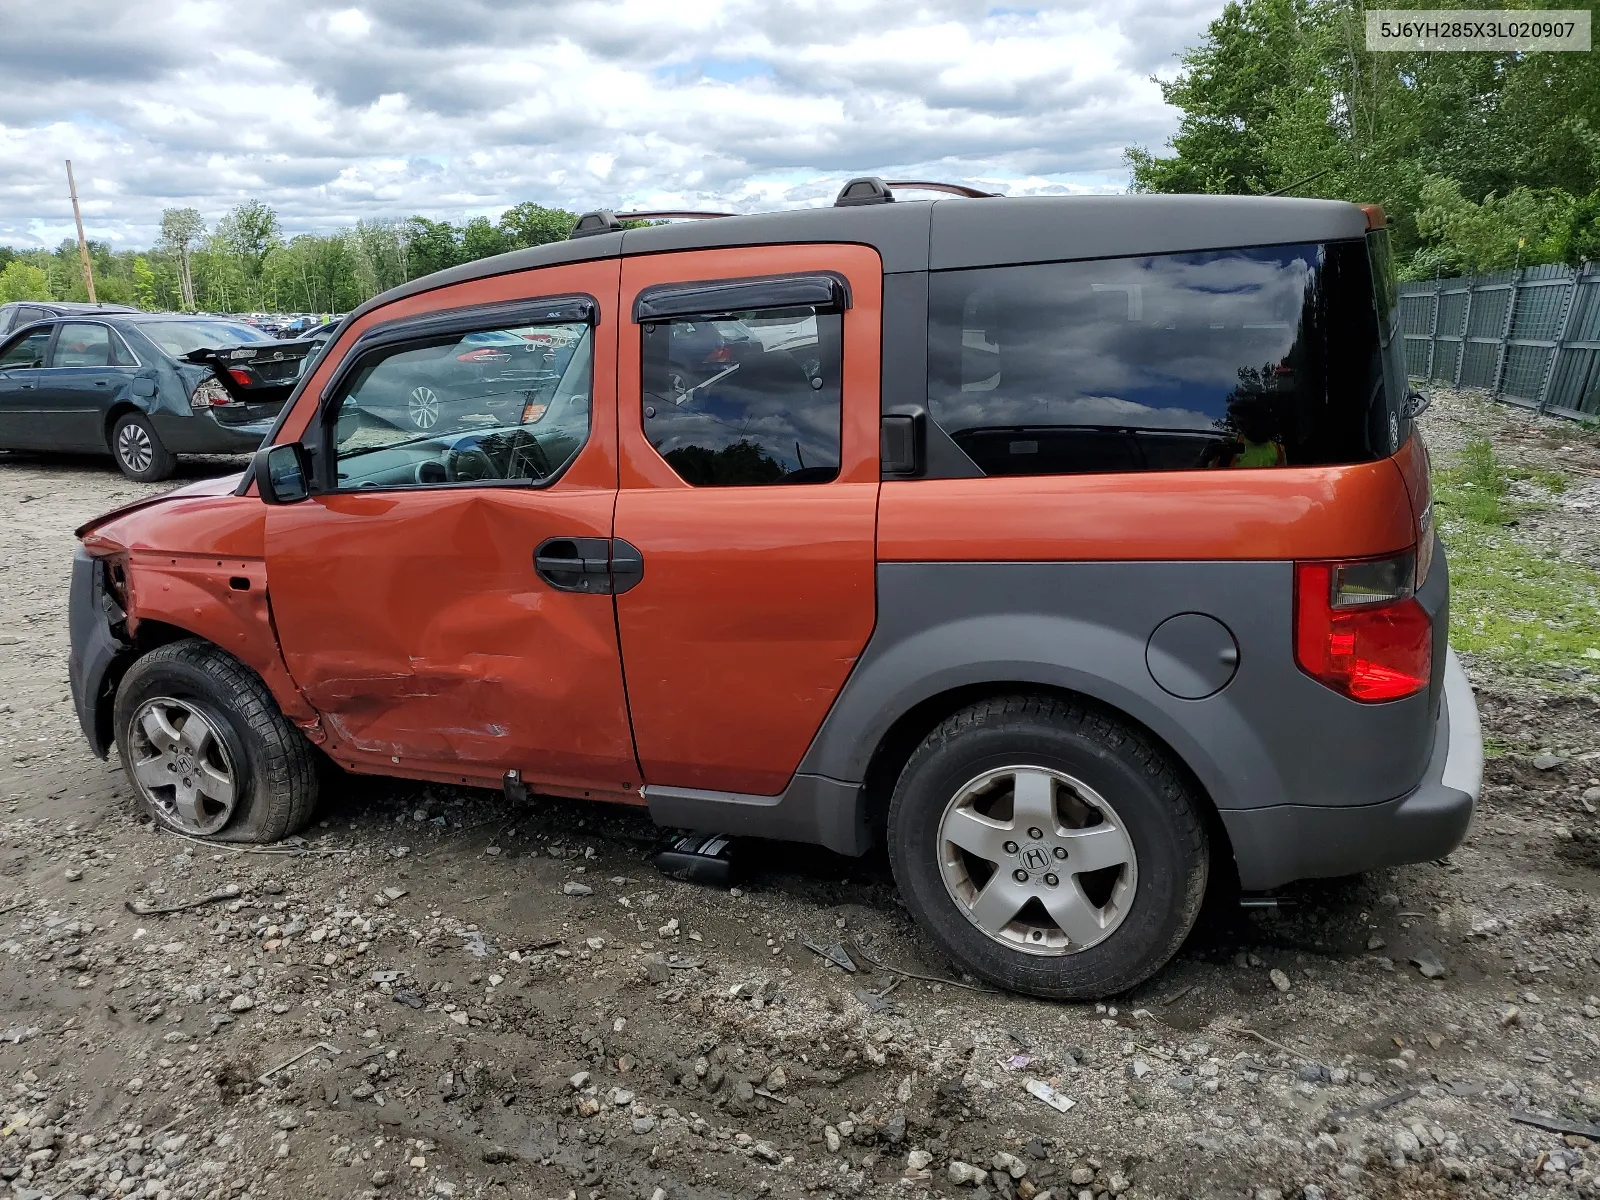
x,y
864,189
549,310
94,660
822,290
590,224
813,808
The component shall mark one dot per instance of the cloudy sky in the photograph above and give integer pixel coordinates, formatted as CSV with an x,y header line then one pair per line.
x,y
452,108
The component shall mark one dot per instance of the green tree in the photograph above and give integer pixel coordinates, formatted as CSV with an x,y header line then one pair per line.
x,y
181,228
144,283
481,239
529,224
431,245
23,281
249,231
1283,95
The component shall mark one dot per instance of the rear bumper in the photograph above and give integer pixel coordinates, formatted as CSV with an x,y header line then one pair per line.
x,y
202,433
1281,843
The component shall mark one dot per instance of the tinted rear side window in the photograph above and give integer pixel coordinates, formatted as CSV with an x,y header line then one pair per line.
x,y
1242,358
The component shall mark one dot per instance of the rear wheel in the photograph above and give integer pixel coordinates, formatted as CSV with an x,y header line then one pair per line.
x,y
207,751
1048,847
139,451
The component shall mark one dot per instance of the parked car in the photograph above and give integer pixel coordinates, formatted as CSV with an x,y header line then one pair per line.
x,y
492,376
17,313
254,373
1080,550
126,384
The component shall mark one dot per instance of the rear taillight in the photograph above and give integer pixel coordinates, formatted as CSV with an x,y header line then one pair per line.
x,y
1359,630
532,411
242,376
208,393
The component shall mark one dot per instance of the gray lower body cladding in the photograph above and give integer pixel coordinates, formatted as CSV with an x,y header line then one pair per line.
x,y
1288,763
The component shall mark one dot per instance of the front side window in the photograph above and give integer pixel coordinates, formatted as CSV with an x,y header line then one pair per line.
x,y
497,405
745,398
26,353
1262,357
83,346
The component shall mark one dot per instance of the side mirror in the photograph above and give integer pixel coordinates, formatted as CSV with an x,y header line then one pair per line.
x,y
282,473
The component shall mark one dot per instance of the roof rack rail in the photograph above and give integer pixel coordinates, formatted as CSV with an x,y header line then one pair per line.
x,y
603,220
869,189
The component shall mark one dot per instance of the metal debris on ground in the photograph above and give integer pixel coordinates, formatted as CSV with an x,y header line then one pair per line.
x,y
834,954
1579,1128
309,1050
1335,1119
873,1001
141,909
883,966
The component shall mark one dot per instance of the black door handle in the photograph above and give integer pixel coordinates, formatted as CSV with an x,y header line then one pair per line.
x,y
627,565
596,566
575,564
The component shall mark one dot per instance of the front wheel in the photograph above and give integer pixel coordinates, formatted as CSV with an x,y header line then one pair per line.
x,y
1048,847
207,750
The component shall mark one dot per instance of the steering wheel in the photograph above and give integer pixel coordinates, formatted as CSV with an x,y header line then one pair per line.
x,y
526,452
468,464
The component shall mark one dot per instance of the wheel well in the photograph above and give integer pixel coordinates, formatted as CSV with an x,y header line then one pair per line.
x,y
118,411
896,747
151,635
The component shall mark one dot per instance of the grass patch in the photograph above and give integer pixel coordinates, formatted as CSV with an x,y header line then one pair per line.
x,y
1525,611
1475,491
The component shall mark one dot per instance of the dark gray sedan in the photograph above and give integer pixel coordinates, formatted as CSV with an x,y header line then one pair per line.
x,y
119,383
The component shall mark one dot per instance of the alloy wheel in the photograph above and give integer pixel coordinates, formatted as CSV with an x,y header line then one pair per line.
x,y
181,766
423,407
1038,860
134,447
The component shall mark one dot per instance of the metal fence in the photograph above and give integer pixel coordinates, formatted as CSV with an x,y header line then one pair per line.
x,y
1531,336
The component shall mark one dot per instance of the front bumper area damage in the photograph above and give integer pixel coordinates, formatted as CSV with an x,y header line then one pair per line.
x,y
98,654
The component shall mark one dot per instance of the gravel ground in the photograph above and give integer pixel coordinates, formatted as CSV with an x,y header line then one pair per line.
x,y
442,994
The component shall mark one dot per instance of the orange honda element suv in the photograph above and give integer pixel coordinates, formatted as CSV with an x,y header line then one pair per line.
x,y
1078,549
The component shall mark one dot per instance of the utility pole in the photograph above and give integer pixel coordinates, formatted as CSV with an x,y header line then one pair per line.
x,y
83,246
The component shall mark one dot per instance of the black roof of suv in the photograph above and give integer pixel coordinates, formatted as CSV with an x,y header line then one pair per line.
x,y
17,313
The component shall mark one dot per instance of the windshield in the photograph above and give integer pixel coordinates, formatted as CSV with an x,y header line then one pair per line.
x,y
184,337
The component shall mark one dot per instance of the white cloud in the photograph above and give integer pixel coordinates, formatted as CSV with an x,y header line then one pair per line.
x,y
349,23
450,110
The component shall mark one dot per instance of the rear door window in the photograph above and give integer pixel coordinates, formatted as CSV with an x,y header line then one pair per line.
x,y
745,398
80,345
1261,357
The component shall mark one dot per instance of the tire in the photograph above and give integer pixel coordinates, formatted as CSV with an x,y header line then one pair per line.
x,y
139,451
206,749
1119,809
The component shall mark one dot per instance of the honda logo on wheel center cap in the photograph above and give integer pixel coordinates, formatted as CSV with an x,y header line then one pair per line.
x,y
1035,858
